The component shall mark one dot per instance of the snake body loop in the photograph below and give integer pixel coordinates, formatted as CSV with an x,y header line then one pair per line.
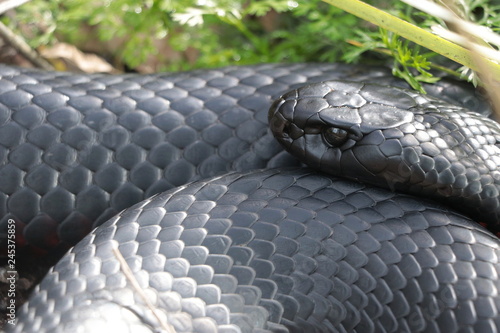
x,y
77,149
276,250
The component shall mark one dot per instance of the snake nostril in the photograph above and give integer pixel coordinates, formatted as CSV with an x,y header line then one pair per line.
x,y
286,130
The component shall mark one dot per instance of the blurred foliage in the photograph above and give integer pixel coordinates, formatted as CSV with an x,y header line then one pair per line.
x,y
222,32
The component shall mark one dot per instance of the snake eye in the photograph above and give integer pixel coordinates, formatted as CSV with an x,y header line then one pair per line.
x,y
335,136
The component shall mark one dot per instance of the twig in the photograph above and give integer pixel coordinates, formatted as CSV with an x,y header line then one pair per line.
x,y
17,42
489,81
22,47
470,36
445,14
413,33
459,38
9,4
135,284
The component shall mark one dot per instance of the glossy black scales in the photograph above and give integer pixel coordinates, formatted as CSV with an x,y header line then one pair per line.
x,y
397,139
277,251
76,149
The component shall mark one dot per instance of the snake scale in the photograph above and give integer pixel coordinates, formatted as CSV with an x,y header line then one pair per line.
x,y
285,249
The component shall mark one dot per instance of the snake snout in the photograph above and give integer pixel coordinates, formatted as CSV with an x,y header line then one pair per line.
x,y
277,122
280,119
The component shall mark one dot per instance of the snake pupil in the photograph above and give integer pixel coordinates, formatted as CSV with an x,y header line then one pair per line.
x,y
335,136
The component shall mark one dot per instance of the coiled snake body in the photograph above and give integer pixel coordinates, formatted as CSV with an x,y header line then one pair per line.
x,y
281,250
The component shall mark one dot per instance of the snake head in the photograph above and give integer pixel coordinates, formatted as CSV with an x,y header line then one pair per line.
x,y
395,138
323,123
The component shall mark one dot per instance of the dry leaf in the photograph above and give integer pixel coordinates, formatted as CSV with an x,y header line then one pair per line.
x,y
67,57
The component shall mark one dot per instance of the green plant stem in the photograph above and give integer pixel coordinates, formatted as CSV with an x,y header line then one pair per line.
x,y
413,33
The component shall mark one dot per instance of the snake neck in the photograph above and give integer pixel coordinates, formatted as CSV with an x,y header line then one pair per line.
x,y
452,157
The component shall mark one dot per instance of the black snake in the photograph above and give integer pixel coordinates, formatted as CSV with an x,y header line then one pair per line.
x,y
281,250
